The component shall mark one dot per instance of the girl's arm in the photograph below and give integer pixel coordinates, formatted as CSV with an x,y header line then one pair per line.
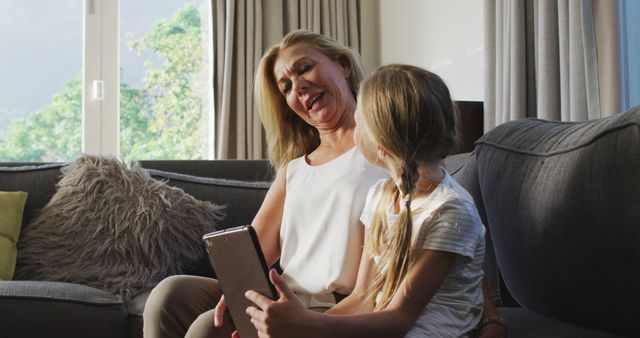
x,y
286,317
422,282
491,330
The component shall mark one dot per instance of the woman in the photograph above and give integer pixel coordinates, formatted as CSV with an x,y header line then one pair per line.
x,y
306,87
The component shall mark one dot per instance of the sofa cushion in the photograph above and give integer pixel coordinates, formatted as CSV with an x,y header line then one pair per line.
x,y
135,308
11,210
114,228
52,309
561,201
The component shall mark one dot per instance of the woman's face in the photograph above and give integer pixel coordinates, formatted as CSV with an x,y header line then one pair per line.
x,y
315,87
363,139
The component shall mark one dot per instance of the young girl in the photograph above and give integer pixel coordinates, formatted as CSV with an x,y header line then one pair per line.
x,y
421,268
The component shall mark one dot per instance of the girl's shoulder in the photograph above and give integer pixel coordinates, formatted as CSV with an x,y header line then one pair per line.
x,y
453,226
375,192
452,195
372,201
452,204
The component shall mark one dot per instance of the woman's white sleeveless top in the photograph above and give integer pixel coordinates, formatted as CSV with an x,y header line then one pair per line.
x,y
320,236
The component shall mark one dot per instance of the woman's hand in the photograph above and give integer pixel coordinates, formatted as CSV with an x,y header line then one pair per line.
x,y
285,317
221,308
218,317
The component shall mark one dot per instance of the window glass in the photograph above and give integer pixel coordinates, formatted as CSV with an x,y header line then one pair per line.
x,y
164,90
631,51
40,80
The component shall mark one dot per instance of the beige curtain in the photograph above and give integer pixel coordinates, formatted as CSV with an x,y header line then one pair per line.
x,y
551,59
242,30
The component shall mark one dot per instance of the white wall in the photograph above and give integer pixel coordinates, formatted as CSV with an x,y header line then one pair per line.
x,y
443,36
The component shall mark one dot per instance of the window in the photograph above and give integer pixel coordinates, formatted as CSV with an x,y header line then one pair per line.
x,y
135,86
630,15
164,85
40,80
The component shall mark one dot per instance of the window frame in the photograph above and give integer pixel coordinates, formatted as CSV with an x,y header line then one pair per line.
x,y
100,77
629,82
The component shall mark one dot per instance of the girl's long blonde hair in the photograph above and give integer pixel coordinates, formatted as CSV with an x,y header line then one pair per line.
x,y
409,111
288,136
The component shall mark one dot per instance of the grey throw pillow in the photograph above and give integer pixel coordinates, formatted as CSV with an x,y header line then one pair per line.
x,y
562,203
114,228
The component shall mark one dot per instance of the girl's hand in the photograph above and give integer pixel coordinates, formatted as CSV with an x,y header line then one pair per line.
x,y
284,317
493,331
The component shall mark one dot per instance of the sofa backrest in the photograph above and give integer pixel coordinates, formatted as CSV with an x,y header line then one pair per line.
x,y
37,179
240,185
562,206
246,170
40,179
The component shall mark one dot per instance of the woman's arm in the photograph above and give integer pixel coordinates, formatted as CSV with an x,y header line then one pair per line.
x,y
267,225
358,300
269,218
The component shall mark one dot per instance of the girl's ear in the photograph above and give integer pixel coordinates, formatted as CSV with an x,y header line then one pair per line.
x,y
387,156
382,152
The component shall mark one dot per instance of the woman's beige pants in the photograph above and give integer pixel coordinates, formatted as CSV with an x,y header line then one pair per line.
x,y
182,306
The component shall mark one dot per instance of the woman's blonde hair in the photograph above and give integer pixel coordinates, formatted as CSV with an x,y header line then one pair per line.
x,y
409,111
288,136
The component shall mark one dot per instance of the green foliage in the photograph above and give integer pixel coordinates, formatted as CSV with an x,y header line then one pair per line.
x,y
176,124
52,134
134,124
162,120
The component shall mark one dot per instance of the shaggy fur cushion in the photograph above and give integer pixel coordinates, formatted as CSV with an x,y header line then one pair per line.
x,y
114,228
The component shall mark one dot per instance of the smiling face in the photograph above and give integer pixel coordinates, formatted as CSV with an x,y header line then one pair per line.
x,y
314,86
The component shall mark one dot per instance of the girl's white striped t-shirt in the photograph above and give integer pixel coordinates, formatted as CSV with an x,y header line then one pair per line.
x,y
446,220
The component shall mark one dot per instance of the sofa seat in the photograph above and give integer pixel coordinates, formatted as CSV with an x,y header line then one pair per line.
x,y
524,323
135,308
55,309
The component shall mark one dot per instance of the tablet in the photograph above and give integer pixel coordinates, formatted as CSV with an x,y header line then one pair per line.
x,y
239,264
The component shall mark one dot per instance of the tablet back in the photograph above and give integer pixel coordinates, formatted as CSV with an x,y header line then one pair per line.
x,y
240,266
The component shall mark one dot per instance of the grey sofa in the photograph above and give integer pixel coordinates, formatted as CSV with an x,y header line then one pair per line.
x,y
52,309
560,201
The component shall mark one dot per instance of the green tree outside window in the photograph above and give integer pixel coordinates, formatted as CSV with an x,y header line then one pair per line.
x,y
164,119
